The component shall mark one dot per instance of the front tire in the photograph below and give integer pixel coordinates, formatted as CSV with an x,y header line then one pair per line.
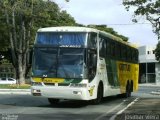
x,y
99,95
128,91
53,101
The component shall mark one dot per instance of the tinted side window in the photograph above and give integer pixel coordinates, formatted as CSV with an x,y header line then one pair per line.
x,y
128,54
4,79
102,47
137,54
108,48
118,51
112,49
10,79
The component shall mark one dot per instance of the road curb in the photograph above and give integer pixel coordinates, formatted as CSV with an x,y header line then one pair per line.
x,y
155,93
149,85
15,91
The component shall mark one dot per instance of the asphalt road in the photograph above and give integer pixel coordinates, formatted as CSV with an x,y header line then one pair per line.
x,y
145,107
27,107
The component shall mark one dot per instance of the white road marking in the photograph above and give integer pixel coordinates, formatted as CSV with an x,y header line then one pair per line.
x,y
113,109
103,115
121,111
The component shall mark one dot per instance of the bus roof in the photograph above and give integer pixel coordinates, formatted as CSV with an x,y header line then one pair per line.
x,y
83,29
67,29
118,39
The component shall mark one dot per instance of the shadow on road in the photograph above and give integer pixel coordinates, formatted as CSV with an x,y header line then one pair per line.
x,y
30,101
80,103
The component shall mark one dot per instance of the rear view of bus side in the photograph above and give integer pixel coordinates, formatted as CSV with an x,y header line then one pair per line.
x,y
82,63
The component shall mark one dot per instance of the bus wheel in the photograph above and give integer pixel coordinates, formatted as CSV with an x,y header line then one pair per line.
x,y
99,95
128,90
53,101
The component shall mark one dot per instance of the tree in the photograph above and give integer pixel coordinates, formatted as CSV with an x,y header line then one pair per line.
x,y
148,8
4,42
21,19
157,52
151,10
109,30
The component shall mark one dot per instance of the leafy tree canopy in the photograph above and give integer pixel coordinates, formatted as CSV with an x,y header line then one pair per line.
x,y
151,10
36,13
148,8
157,52
4,42
19,21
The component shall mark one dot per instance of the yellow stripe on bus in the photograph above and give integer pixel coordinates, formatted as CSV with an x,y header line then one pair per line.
x,y
49,80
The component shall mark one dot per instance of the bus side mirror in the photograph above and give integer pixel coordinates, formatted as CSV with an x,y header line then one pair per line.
x,y
93,66
94,58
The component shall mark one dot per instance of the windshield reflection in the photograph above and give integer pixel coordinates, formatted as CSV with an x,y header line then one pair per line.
x,y
44,62
58,62
70,63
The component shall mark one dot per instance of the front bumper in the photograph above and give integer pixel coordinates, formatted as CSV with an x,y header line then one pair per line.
x,y
60,92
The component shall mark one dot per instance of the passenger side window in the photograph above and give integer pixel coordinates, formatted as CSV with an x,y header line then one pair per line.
x,y
92,40
118,51
102,47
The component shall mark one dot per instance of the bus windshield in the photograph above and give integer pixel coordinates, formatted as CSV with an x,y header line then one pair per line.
x,y
58,62
62,39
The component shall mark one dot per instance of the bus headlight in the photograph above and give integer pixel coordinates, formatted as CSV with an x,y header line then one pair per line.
x,y
78,85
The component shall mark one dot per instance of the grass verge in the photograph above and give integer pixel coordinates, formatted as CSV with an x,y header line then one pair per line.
x,y
15,86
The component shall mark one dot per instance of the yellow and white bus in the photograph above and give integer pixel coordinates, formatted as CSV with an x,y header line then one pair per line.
x,y
82,63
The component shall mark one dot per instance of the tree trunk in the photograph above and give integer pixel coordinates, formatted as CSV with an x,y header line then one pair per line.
x,y
21,70
18,48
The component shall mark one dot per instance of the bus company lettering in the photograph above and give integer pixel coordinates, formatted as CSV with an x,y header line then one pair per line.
x,y
75,46
124,67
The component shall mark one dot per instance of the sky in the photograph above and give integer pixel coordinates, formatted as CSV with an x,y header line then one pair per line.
x,y
113,14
